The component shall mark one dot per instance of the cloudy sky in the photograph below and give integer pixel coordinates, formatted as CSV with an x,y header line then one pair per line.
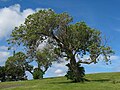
x,y
103,15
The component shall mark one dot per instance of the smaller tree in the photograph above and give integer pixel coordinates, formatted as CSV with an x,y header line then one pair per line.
x,y
38,73
16,66
44,59
2,74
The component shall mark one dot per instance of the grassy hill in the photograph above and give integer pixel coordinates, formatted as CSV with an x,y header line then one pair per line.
x,y
99,81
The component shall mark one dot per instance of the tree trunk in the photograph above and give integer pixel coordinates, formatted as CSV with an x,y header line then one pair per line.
x,y
75,70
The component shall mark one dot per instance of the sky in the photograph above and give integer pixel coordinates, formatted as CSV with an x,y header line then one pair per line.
x,y
103,15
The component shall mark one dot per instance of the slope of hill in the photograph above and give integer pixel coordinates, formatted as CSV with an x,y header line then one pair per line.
x,y
99,81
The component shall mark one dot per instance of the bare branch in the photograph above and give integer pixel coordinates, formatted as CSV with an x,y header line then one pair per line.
x,y
85,62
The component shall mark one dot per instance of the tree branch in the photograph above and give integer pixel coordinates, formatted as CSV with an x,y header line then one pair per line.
x,y
91,60
29,71
85,62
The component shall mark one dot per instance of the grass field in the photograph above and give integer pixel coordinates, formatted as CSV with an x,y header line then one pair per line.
x,y
100,81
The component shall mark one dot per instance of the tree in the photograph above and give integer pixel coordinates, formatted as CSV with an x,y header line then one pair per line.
x,y
2,74
44,59
16,66
71,75
38,73
71,41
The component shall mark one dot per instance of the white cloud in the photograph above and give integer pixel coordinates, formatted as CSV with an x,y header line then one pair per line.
x,y
115,57
3,57
11,17
4,54
59,71
42,45
3,48
61,64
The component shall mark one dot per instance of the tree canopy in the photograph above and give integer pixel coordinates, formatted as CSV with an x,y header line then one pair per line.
x,y
68,40
2,73
16,66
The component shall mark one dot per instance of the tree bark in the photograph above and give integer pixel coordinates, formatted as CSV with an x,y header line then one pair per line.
x,y
74,67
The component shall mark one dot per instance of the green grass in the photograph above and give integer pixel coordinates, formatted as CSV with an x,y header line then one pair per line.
x,y
100,81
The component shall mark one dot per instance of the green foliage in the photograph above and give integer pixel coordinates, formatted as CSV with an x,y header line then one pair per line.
x,y
2,73
45,57
70,75
38,74
16,66
68,40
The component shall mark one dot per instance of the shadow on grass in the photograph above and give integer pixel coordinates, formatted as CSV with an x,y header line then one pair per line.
x,y
52,77
67,82
100,80
62,82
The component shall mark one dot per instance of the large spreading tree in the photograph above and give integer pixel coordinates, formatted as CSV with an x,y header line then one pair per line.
x,y
68,40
